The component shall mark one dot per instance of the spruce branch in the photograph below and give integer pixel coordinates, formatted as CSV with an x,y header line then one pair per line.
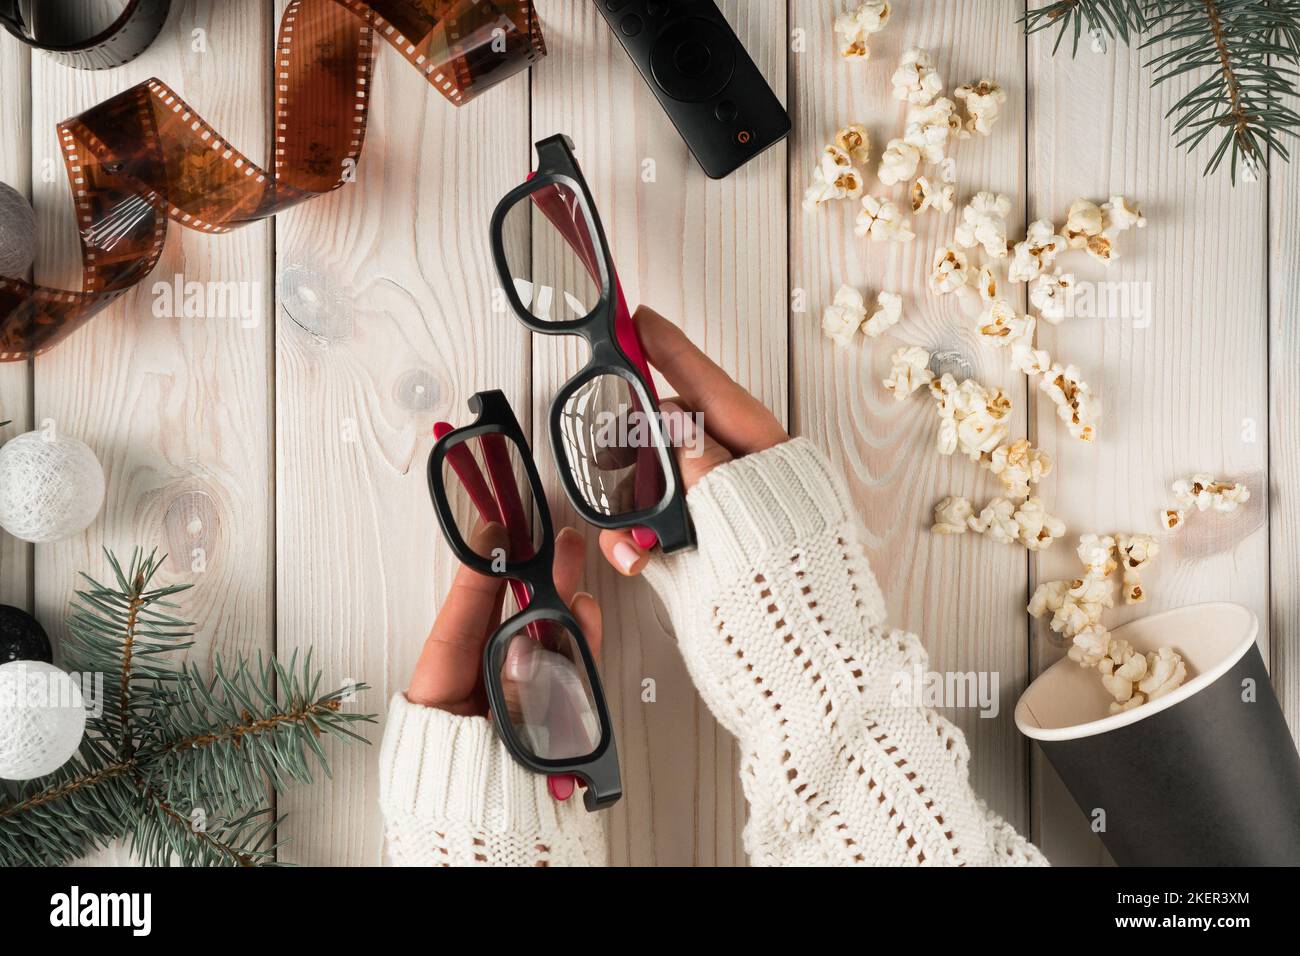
x,y
178,763
1244,47
1244,55
1116,19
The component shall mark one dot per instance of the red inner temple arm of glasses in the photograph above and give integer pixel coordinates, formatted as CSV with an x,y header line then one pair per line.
x,y
574,229
466,468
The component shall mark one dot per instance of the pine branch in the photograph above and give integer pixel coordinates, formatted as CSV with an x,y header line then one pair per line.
x,y
1246,48
1114,19
178,763
227,736
87,803
123,634
1248,51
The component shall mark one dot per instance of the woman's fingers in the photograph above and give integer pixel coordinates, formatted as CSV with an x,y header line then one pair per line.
x,y
447,674
622,553
738,420
696,452
570,556
587,611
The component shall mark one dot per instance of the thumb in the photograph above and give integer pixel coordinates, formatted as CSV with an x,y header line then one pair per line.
x,y
696,452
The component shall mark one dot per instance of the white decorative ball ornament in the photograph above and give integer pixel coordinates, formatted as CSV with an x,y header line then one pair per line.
x,y
51,486
17,233
42,719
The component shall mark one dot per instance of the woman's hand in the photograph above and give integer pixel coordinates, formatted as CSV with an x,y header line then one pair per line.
x,y
737,423
449,673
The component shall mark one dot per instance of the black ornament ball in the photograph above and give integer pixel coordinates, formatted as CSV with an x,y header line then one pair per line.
x,y
22,638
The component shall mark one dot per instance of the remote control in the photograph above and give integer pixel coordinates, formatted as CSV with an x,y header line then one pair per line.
x,y
703,78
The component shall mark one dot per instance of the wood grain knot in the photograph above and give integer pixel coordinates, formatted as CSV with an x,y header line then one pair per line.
x,y
417,390
192,529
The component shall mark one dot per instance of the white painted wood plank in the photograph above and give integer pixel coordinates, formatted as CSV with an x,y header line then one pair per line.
x,y
361,566
15,377
177,409
1184,388
1284,437
711,256
964,596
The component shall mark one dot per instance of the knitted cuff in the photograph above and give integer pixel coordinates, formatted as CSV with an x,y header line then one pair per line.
x,y
439,766
753,507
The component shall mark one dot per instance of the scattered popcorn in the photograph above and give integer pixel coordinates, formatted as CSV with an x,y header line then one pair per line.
x,y
926,195
1173,518
1050,293
972,419
1082,223
1018,465
844,316
1135,552
1097,554
889,310
910,371
1001,521
855,27
928,127
916,80
1034,255
883,221
1048,598
1001,325
834,178
898,162
1205,492
1132,679
949,271
1037,529
1095,228
1137,700
951,516
1024,356
853,140
983,102
997,521
984,224
1090,645
1075,404
1166,671
948,170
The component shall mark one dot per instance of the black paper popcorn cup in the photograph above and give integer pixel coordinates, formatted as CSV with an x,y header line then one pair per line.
x,y
1207,775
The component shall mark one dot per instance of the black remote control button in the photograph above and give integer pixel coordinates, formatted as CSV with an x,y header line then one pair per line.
x,y
725,111
615,5
693,60
631,25
654,8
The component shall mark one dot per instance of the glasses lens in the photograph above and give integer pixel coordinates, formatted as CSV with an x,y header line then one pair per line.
x,y
610,439
487,484
553,261
548,693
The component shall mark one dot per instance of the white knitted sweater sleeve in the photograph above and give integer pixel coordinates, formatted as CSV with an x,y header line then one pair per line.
x,y
782,627
452,796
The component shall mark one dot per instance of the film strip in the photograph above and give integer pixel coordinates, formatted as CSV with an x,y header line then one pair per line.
x,y
71,33
144,156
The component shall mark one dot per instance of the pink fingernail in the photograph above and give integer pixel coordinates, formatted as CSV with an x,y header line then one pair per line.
x,y
625,556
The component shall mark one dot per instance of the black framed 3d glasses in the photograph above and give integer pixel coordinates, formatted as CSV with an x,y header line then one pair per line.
x,y
543,689
607,434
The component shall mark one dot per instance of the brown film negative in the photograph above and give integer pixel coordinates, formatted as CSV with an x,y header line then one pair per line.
x,y
144,156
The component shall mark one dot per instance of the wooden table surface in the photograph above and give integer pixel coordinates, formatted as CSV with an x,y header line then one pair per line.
x,y
293,455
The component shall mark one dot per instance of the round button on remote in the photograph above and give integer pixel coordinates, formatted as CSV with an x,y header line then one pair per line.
x,y
693,60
